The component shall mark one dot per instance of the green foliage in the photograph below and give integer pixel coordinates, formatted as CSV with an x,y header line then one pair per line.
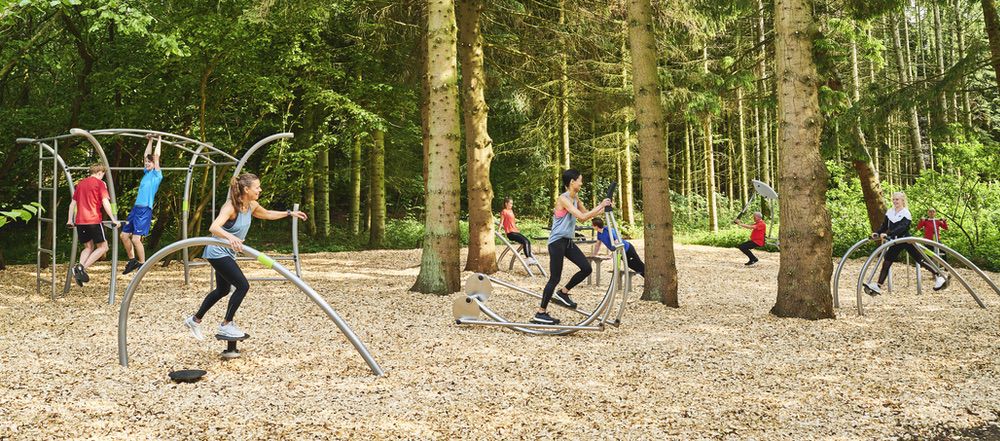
x,y
21,214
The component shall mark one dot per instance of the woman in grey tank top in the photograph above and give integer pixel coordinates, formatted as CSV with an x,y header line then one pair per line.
x,y
567,211
232,225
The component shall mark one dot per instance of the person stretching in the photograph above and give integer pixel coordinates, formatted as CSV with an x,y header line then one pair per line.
x,y
896,225
568,209
89,196
141,216
509,224
756,237
232,225
604,236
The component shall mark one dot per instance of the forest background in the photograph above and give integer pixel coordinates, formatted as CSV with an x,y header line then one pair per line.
x,y
908,95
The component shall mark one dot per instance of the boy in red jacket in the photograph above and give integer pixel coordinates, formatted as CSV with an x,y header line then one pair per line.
x,y
931,226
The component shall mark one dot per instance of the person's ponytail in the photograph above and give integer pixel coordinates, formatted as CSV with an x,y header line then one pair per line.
x,y
238,187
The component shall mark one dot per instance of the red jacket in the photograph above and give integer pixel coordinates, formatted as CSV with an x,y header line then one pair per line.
x,y
929,225
758,233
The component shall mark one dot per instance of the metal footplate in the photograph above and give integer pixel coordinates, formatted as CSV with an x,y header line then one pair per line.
x,y
231,352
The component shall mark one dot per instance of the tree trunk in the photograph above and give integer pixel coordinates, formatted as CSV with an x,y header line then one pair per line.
x,y
993,33
563,90
966,102
871,188
806,239
377,232
355,210
82,77
628,203
744,176
439,263
658,227
942,110
713,214
904,79
478,145
323,186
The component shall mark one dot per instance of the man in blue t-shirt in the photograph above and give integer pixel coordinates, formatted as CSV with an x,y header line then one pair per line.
x,y
604,237
141,216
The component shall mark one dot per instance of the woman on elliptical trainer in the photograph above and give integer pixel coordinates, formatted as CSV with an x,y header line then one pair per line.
x,y
896,225
567,211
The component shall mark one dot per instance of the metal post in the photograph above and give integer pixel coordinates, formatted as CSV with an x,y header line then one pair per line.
x,y
295,242
38,242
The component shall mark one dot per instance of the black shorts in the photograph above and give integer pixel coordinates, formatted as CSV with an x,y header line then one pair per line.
x,y
90,233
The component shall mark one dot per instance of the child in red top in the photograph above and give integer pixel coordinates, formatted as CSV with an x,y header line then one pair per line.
x,y
89,196
932,226
508,223
756,236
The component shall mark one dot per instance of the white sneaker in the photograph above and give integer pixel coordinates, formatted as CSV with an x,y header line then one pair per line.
x,y
532,261
872,289
940,282
231,330
195,328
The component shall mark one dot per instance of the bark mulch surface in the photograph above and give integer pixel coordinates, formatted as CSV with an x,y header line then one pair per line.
x,y
720,367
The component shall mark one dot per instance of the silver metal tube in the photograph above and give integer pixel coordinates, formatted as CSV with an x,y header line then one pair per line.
x,y
185,213
922,241
961,279
344,328
295,242
114,206
533,330
259,144
38,241
530,325
208,146
840,266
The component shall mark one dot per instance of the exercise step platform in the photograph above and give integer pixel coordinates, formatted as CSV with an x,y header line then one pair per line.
x,y
231,351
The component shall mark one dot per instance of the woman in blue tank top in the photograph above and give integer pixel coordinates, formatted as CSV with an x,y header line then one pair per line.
x,y
232,224
567,211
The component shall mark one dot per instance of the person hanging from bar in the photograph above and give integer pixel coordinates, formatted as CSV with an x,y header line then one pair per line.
x,y
89,196
568,209
232,224
896,225
141,217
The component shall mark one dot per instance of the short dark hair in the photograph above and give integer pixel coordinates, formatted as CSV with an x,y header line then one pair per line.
x,y
569,176
597,222
149,157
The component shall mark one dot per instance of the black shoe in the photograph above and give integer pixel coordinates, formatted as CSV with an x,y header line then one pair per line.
x,y
77,274
751,263
543,318
562,298
131,265
83,274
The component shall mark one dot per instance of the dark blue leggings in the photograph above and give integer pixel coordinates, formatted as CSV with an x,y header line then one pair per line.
x,y
227,275
557,251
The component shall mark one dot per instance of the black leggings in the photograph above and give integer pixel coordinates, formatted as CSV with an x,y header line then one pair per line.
x,y
745,247
634,262
893,252
519,238
557,250
227,275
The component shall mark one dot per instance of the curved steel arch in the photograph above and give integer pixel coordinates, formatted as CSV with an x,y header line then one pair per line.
x,y
114,207
259,144
263,259
210,147
840,266
921,241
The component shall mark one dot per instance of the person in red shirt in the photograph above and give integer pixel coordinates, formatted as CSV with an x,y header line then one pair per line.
x,y
89,196
932,226
756,236
509,224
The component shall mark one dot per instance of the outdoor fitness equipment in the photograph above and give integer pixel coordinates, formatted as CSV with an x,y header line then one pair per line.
x,y
265,260
934,260
478,287
203,155
515,253
764,191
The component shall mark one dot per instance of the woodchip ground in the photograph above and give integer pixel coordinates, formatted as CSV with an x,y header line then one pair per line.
x,y
719,367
